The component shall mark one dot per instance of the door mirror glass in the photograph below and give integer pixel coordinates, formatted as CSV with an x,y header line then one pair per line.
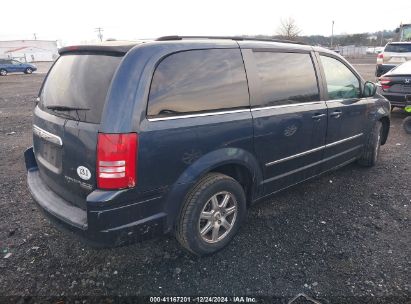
x,y
369,89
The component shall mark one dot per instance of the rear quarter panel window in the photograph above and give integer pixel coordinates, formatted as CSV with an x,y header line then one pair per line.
x,y
286,78
197,81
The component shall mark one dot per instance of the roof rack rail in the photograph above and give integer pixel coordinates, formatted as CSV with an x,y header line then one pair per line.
x,y
236,38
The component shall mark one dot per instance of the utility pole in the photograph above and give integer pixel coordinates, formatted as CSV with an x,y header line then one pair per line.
x,y
35,36
382,36
332,33
100,33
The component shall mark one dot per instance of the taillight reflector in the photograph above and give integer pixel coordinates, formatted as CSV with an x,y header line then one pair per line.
x,y
380,58
117,160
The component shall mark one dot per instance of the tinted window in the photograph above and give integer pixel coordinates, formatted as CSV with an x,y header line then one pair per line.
x,y
199,80
398,48
80,81
341,82
286,78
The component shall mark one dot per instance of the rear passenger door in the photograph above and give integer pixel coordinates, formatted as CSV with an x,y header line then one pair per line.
x,y
290,120
347,112
198,104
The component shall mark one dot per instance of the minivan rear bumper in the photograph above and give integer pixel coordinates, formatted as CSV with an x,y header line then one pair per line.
x,y
104,226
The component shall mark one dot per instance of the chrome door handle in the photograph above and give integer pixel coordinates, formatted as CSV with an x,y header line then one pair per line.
x,y
336,114
317,116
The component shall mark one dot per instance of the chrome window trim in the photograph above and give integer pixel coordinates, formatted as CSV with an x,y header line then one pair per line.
x,y
313,150
198,115
50,137
232,111
286,105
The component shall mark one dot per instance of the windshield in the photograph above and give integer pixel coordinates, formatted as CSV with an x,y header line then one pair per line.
x,y
398,48
78,85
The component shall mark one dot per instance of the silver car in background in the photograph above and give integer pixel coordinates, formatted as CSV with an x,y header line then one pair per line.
x,y
394,54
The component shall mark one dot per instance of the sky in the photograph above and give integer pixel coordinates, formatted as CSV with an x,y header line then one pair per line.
x,y
75,21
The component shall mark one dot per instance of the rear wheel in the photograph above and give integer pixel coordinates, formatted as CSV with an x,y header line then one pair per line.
x,y
3,72
406,124
28,71
212,214
371,149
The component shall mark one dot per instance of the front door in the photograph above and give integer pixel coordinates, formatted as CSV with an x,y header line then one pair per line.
x,y
290,120
347,112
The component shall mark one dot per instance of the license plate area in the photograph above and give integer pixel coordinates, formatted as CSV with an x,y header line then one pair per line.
x,y
406,88
50,156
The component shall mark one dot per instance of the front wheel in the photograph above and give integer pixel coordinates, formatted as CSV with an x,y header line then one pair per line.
x,y
371,148
3,72
28,71
212,214
406,124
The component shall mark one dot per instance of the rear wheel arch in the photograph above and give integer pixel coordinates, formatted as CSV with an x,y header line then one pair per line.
x,y
243,168
241,174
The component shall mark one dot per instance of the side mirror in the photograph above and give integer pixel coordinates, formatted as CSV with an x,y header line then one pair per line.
x,y
369,89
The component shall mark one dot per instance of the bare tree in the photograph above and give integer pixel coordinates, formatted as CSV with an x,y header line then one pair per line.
x,y
288,29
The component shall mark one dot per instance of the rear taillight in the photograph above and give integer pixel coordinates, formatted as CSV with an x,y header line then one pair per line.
x,y
116,160
380,58
385,83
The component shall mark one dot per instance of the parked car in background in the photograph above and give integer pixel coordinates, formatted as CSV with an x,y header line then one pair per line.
x,y
394,54
184,134
13,66
374,50
395,85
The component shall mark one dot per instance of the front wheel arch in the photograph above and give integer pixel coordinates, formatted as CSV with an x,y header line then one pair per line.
x,y
385,129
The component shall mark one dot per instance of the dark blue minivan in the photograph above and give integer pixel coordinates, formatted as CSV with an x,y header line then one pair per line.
x,y
183,134
13,66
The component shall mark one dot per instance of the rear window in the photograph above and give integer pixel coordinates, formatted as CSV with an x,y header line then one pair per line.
x,y
79,81
398,48
197,81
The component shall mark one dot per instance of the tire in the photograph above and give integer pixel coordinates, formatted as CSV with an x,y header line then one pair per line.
x,y
201,212
371,149
3,72
406,124
28,71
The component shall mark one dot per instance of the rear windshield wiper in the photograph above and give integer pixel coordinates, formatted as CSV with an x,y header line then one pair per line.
x,y
66,108
60,108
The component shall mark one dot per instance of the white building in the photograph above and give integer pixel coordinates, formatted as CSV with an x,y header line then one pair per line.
x,y
29,50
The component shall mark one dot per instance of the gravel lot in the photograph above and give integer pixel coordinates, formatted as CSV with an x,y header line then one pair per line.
x,y
340,238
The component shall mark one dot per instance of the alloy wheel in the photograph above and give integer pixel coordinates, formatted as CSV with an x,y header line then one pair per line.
x,y
217,217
